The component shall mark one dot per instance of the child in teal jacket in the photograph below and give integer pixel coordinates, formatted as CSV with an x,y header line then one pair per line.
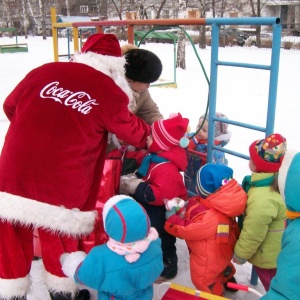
x,y
285,284
129,263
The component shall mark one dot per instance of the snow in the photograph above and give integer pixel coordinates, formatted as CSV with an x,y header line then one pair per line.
x,y
242,96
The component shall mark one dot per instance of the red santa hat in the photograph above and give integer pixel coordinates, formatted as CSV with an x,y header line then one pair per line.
x,y
267,154
167,134
104,44
103,53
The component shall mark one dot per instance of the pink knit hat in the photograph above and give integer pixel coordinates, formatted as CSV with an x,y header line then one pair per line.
x,y
167,133
104,44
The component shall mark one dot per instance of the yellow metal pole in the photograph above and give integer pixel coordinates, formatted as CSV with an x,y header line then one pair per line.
x,y
76,39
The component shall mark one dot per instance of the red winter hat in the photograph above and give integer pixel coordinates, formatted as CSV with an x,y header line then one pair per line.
x,y
267,154
100,43
167,133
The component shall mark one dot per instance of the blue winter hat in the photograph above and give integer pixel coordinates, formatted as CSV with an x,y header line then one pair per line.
x,y
211,177
125,220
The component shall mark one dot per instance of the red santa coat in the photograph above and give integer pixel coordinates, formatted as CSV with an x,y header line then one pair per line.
x,y
205,225
54,150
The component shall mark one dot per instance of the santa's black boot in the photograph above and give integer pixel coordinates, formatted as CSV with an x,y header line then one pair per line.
x,y
83,295
60,296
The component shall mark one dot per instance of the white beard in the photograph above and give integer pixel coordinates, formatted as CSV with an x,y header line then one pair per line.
x,y
109,65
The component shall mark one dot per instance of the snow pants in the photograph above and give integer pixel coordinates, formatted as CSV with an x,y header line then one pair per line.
x,y
16,254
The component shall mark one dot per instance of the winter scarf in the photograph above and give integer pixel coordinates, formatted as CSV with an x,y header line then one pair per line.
x,y
194,142
132,251
292,214
247,183
143,169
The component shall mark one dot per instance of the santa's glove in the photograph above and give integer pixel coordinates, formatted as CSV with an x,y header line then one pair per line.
x,y
171,212
116,142
238,260
128,185
70,262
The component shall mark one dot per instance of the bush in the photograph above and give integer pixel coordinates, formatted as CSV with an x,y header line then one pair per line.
x,y
287,45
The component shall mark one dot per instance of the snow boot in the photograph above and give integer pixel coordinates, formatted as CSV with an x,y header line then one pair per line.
x,y
83,295
170,270
228,273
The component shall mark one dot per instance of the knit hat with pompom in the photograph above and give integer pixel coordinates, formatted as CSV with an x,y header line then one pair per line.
x,y
169,133
220,127
267,154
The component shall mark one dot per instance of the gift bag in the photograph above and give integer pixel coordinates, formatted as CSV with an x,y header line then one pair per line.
x,y
109,186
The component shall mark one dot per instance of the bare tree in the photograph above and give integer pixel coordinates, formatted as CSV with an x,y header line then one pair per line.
x,y
25,18
119,9
68,8
180,63
102,9
256,8
7,13
43,18
160,8
204,5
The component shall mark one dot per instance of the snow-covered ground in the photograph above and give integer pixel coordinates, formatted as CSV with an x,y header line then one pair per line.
x,y
242,96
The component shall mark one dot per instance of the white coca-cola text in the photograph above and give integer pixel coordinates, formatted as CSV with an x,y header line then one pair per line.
x,y
68,98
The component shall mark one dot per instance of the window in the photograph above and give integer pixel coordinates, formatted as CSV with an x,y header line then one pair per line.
x,y
166,14
84,9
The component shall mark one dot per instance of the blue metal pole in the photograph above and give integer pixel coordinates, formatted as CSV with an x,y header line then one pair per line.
x,y
243,21
275,57
212,90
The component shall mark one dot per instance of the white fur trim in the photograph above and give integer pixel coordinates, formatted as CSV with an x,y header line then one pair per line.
x,y
283,170
17,209
71,261
10,288
38,287
111,202
109,65
224,137
60,284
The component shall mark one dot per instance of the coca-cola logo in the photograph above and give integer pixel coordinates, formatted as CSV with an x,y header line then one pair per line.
x,y
80,101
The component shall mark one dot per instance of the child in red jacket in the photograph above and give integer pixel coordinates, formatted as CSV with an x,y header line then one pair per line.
x,y
159,178
209,227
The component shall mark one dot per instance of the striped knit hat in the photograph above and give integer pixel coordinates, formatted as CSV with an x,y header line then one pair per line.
x,y
211,177
167,133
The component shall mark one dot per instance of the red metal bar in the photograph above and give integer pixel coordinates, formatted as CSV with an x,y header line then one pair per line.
x,y
203,155
192,21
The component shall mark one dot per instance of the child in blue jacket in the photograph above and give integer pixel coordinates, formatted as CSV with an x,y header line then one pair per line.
x,y
129,263
199,144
